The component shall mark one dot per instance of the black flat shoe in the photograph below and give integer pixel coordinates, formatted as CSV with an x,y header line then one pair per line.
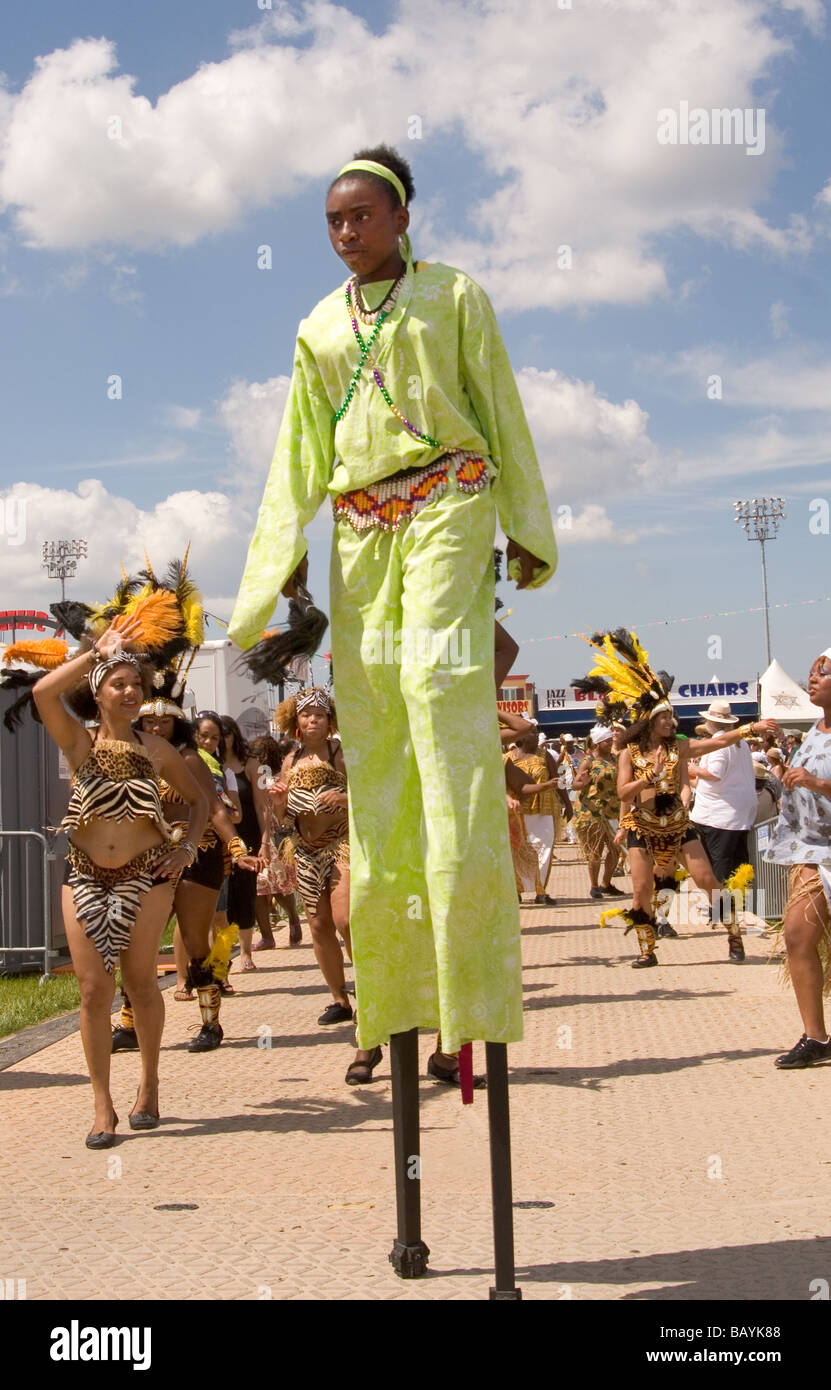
x,y
449,1076
639,964
143,1119
335,1013
103,1139
543,900
125,1039
609,891
359,1073
664,929
207,1039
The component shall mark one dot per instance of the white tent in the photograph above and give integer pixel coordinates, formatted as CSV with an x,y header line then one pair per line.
x,y
785,701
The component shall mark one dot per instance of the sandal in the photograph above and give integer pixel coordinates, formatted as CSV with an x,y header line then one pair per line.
x,y
184,996
225,987
247,966
450,1076
359,1073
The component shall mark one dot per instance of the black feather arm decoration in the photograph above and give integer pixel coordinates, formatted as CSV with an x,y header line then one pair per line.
x,y
72,616
24,682
268,661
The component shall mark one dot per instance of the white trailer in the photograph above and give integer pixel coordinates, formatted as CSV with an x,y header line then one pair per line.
x,y
214,682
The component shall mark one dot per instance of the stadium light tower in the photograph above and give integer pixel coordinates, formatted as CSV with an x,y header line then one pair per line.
x,y
60,559
760,517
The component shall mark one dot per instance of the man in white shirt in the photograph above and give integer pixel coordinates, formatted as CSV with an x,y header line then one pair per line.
x,y
725,796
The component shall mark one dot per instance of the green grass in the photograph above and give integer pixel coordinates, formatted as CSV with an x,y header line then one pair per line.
x,y
24,1000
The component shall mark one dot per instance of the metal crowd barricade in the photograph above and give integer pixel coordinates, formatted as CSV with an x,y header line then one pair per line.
x,y
770,887
26,899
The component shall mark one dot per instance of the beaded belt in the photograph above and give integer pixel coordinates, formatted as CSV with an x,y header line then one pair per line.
x,y
389,504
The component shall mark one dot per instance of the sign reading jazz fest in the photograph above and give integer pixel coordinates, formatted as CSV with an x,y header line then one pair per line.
x,y
695,694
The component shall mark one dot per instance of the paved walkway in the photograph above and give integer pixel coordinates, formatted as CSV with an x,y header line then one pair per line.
x,y
657,1153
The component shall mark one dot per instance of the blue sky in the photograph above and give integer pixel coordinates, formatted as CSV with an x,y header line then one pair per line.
x,y
137,257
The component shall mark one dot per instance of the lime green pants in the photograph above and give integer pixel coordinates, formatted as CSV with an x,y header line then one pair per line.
x,y
433,908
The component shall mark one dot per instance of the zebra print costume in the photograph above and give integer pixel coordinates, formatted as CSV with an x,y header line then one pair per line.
x,y
116,781
313,863
107,901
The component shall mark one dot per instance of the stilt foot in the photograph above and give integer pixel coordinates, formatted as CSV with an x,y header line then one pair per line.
x,y
505,1295
409,1261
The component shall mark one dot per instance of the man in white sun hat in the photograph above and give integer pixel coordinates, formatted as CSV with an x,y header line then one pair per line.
x,y
725,795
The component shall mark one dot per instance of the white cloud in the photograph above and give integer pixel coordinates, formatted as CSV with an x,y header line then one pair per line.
x,y
812,11
183,417
591,525
575,161
251,412
767,446
117,532
795,378
586,443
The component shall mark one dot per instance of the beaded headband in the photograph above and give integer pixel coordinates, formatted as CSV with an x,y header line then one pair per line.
x,y
103,669
160,709
370,166
662,707
314,696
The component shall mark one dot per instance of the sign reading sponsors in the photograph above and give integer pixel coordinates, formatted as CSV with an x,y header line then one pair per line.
x,y
516,696
523,707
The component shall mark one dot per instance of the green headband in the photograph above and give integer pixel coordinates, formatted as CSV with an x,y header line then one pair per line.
x,y
369,166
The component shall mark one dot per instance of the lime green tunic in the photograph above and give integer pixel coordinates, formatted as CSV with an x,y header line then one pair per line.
x,y
433,910
445,366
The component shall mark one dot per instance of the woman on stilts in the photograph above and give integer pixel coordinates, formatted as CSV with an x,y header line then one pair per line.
x,y
403,409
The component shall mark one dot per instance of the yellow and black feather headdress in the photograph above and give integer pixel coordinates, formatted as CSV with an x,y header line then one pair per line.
x,y
622,677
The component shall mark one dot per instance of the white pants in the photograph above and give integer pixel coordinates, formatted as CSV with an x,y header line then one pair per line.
x,y
540,833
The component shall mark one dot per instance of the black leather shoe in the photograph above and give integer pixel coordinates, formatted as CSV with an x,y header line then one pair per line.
x,y
207,1039
543,900
335,1013
125,1039
143,1119
664,929
608,890
644,964
103,1139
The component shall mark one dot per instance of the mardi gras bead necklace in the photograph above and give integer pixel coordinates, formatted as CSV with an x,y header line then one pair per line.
x,y
366,348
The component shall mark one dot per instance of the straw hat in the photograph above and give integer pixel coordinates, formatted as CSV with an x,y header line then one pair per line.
x,y
719,712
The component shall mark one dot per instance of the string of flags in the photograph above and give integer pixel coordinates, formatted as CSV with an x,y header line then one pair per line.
x,y
653,622
700,618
